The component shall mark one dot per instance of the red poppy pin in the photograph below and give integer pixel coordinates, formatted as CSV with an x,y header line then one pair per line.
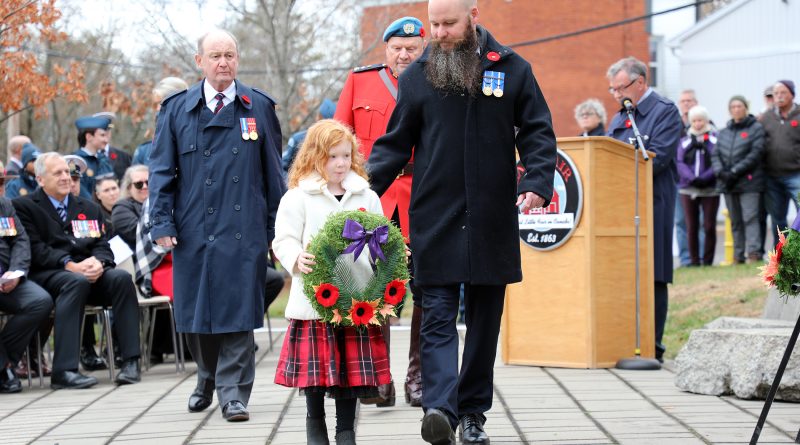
x,y
628,123
113,156
81,216
705,137
245,99
744,135
493,56
422,32
793,123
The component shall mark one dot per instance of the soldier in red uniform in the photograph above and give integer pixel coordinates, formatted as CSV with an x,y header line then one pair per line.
x,y
366,103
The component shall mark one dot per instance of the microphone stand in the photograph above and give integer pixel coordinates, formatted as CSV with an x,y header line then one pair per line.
x,y
637,362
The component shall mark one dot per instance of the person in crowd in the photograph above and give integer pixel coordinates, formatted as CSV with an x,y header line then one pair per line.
x,y
367,101
25,183
686,101
166,87
106,194
466,93
92,140
127,211
697,185
120,159
658,119
71,259
327,176
326,110
769,101
221,140
781,160
14,153
77,166
591,117
28,304
737,162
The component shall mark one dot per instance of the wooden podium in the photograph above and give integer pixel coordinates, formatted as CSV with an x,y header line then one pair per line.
x,y
576,304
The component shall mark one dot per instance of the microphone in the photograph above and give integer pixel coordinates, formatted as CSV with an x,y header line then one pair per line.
x,y
627,103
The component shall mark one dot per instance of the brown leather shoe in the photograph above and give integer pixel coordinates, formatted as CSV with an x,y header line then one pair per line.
x,y
413,384
22,367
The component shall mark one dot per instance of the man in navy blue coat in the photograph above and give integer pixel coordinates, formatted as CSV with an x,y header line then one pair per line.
x,y
459,106
215,185
660,121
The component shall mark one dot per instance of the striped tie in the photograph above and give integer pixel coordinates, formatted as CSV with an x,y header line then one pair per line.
x,y
220,104
62,212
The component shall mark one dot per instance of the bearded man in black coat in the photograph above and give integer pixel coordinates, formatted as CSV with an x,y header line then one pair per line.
x,y
465,105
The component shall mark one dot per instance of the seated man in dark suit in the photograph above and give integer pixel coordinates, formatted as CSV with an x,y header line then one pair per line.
x,y
71,259
28,303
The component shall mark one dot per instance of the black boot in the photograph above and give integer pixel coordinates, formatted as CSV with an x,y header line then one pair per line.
x,y
316,431
347,437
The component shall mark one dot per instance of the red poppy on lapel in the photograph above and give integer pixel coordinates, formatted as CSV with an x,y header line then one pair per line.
x,y
245,99
81,216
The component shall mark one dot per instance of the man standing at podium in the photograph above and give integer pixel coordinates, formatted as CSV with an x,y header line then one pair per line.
x,y
457,107
659,122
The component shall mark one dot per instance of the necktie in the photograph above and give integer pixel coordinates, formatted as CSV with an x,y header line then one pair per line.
x,y
62,212
220,104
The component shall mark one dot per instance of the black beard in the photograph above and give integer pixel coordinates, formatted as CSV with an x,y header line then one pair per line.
x,y
456,70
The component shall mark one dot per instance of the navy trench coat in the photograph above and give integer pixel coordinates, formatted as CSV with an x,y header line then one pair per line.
x,y
660,120
218,193
464,222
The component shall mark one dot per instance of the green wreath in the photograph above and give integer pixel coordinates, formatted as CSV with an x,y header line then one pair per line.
x,y
331,288
782,270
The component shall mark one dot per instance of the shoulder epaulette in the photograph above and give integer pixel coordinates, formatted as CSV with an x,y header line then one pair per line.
x,y
361,69
177,93
265,95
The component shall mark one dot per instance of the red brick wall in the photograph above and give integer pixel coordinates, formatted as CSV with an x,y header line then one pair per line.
x,y
568,70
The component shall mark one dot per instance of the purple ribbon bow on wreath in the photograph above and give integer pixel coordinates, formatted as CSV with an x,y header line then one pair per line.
x,y
374,238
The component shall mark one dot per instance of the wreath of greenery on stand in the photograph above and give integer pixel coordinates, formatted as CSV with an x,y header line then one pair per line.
x,y
331,288
782,271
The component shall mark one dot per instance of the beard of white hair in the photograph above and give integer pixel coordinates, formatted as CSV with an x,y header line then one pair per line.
x,y
457,69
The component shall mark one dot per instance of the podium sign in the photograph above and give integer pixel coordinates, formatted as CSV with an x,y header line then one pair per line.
x,y
549,227
576,304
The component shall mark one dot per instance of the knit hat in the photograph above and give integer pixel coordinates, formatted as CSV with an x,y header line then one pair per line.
x,y
741,99
788,84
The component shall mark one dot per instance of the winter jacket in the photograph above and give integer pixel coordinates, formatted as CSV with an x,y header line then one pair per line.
x,y
782,143
739,150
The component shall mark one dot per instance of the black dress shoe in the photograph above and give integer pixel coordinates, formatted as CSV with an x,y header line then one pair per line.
x,y
436,428
234,411
9,382
199,401
91,361
71,380
129,373
471,429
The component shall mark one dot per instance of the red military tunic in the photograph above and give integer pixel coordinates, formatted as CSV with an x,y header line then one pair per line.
x,y
366,105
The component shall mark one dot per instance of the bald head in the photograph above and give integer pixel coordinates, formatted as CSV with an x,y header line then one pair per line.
x,y
15,145
449,20
215,35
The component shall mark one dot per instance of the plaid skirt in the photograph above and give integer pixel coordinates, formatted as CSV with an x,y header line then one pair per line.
x,y
345,362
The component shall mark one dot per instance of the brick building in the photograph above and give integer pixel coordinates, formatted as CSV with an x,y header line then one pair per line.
x,y
569,70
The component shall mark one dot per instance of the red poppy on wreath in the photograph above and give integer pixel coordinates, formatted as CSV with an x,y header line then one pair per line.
x,y
326,294
628,123
395,291
81,216
245,99
361,313
744,135
113,156
793,123
362,209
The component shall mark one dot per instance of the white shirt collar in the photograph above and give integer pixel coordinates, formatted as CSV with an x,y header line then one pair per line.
x,y
210,92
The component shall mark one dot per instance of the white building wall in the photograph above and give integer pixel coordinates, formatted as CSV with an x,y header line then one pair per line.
x,y
669,26
741,51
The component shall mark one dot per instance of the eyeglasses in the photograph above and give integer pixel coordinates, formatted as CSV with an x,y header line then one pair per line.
x,y
139,184
612,90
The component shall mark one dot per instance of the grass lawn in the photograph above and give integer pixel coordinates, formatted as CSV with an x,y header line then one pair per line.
x,y
699,295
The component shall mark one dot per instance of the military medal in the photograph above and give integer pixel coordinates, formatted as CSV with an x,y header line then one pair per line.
x,y
501,80
7,227
243,125
251,125
90,172
488,81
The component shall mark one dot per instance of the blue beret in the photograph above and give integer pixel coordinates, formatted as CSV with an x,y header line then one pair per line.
x,y
404,27
90,122
327,108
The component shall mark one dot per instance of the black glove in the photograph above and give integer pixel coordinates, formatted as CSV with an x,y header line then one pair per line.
x,y
725,177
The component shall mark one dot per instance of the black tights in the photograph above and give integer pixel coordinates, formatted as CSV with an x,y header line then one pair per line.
x,y
345,410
